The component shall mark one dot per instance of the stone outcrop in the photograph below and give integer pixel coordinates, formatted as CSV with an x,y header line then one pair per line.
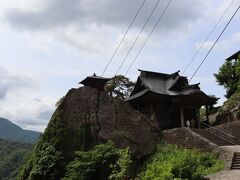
x,y
226,115
90,117
84,118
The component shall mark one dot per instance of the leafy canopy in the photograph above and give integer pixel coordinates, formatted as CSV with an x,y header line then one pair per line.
x,y
102,162
120,86
12,155
229,76
43,165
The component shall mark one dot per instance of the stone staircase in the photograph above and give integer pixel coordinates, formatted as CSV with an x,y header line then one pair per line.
x,y
236,161
214,137
187,138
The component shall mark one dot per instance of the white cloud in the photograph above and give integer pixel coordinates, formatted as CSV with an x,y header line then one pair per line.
x,y
222,44
17,104
91,25
28,113
11,83
59,42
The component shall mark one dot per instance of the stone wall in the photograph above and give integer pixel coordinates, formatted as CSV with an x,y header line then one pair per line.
x,y
187,138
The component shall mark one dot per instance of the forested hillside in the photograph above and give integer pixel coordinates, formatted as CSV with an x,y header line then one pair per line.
x,y
12,156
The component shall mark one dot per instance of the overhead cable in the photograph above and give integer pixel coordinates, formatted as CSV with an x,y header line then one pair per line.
x,y
208,36
204,59
124,36
140,32
154,27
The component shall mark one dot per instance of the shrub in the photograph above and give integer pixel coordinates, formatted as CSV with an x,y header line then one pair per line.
x,y
172,162
121,168
103,161
233,100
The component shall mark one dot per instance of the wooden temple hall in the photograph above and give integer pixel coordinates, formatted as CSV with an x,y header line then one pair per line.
x,y
169,99
166,98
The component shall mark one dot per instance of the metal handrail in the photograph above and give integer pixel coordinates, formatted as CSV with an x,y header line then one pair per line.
x,y
221,134
220,131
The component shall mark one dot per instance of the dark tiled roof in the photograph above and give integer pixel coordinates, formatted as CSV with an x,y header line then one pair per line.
x,y
164,84
234,56
95,82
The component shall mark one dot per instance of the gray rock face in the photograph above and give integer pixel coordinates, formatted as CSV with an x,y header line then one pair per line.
x,y
226,115
91,117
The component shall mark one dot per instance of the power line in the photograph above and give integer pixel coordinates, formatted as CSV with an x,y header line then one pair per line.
x,y
144,25
157,22
208,36
110,60
215,42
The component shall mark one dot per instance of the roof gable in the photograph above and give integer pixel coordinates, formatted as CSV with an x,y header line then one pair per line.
x,y
95,82
234,56
164,84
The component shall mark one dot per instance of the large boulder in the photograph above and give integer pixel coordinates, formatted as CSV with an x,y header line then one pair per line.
x,y
91,117
87,117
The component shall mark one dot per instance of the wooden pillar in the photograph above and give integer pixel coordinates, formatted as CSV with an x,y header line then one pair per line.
x,y
182,117
137,106
198,118
207,114
152,112
151,106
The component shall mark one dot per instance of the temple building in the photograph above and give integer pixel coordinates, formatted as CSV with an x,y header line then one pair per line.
x,y
235,56
169,99
95,81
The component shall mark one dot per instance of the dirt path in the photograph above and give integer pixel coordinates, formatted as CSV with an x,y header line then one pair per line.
x,y
225,175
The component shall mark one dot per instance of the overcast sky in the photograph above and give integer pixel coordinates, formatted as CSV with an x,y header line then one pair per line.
x,y
48,46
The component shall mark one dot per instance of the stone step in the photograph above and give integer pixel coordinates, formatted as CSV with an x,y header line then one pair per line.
x,y
235,161
235,164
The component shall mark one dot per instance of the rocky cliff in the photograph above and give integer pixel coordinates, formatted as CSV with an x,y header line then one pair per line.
x,y
87,117
230,110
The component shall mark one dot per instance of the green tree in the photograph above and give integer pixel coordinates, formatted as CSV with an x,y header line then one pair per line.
x,y
229,76
120,86
43,165
12,155
102,162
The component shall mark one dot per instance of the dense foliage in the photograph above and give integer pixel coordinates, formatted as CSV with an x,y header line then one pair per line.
x,y
102,162
171,162
120,86
12,155
229,76
54,158
47,162
43,164
233,101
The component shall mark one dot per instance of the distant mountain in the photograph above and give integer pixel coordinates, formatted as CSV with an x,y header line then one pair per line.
x,y
11,131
